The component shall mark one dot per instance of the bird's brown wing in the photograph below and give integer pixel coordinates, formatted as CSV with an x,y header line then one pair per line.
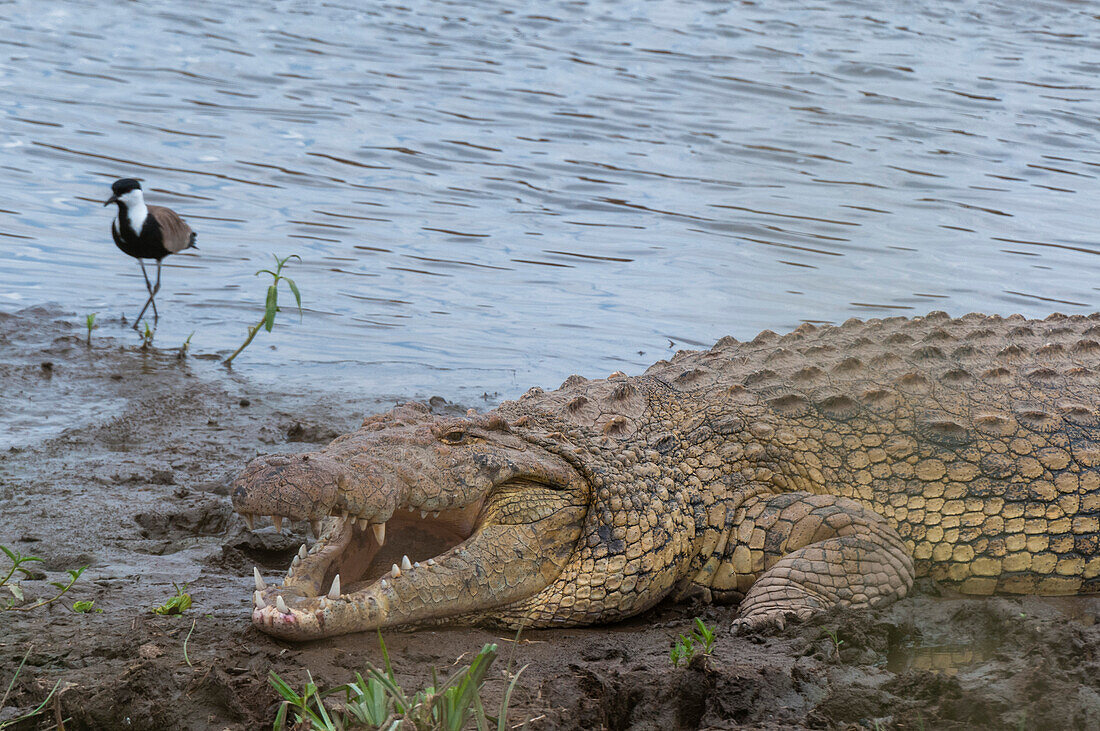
x,y
177,235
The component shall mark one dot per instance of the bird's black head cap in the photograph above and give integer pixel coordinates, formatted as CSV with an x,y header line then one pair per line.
x,y
125,185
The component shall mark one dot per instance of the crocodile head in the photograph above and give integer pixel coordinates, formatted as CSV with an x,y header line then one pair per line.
x,y
422,519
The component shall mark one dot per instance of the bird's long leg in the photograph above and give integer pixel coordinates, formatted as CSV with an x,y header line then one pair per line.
x,y
148,288
156,288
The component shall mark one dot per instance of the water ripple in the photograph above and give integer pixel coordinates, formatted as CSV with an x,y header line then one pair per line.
x,y
486,199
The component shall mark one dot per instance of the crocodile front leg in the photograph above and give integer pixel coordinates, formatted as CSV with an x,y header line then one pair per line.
x,y
800,553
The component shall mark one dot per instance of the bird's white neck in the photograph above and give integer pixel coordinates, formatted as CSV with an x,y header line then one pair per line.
x,y
133,207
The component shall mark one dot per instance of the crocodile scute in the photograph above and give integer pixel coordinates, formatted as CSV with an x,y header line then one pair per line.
x,y
826,467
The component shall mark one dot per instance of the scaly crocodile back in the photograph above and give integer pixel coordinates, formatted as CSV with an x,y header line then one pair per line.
x,y
976,437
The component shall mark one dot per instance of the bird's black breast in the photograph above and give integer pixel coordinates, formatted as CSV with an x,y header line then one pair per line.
x,y
146,244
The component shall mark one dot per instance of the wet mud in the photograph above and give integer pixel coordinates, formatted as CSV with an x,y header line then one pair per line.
x,y
120,459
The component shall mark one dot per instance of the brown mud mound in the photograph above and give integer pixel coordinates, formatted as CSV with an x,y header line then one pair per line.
x,y
120,460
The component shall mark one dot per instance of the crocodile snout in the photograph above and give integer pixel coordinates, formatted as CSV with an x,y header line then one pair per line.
x,y
299,487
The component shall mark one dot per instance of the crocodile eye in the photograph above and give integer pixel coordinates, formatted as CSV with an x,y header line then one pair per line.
x,y
454,436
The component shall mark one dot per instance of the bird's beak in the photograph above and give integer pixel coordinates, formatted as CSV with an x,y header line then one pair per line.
x,y
112,199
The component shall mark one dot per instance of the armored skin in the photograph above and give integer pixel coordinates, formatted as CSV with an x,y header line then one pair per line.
x,y
790,474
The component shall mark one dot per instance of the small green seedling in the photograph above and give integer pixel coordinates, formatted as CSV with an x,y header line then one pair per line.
x,y
683,650
687,647
89,323
185,347
271,305
86,607
17,560
834,635
177,604
147,336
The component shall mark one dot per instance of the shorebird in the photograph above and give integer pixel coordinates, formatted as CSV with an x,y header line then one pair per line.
x,y
146,232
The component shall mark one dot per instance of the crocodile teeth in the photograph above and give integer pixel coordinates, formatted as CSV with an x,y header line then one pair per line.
x,y
315,528
379,533
323,602
302,553
278,521
260,585
334,592
395,572
281,605
435,514
431,562
295,562
249,520
383,584
258,600
416,565
405,563
423,514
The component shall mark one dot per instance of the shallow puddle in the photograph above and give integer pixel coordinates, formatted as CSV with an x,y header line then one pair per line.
x,y
947,659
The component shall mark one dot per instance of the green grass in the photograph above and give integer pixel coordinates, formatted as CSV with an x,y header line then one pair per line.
x,y
271,304
38,710
834,635
699,643
186,640
378,701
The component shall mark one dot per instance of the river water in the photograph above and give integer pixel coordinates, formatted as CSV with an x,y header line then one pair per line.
x,y
488,196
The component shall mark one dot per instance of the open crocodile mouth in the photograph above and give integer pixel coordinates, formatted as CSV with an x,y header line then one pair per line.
x,y
422,566
354,559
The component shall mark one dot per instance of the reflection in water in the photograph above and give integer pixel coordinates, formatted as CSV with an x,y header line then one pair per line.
x,y
945,659
487,198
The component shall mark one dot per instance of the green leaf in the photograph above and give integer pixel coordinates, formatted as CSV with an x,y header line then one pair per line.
x,y
282,687
272,307
16,591
177,604
280,717
311,689
297,294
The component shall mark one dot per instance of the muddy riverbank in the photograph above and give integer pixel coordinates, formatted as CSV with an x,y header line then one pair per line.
x,y
120,459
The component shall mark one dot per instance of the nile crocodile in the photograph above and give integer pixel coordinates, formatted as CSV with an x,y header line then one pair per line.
x,y
825,467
